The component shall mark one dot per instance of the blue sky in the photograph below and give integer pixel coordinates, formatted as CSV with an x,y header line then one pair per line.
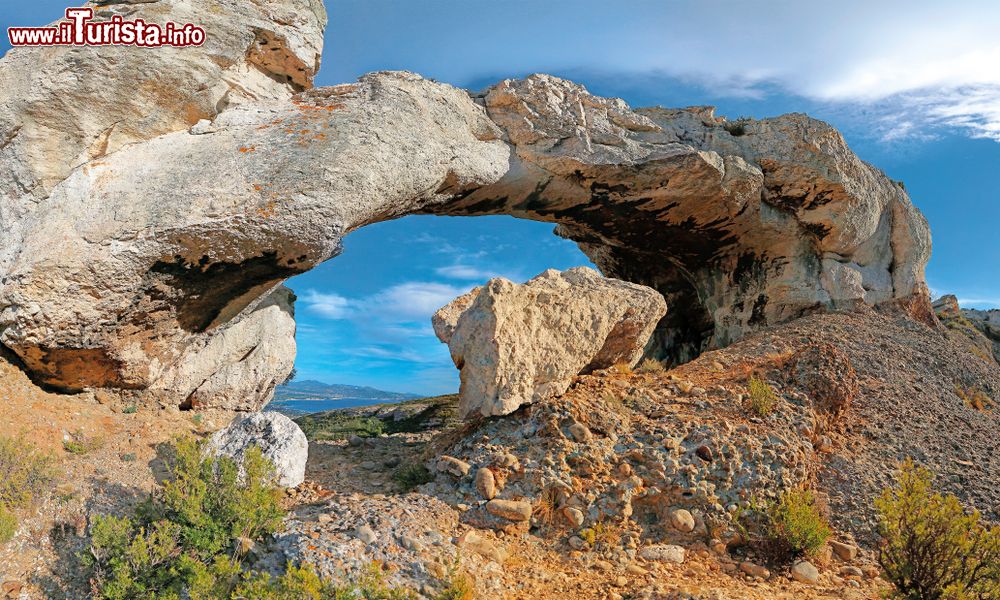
x,y
913,85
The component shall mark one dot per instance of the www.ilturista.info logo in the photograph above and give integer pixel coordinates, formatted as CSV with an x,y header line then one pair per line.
x,y
80,29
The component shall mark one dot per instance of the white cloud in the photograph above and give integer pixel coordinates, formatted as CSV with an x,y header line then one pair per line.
x,y
393,315
471,273
923,63
329,306
979,302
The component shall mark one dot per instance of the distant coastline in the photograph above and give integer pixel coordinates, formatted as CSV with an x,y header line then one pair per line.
x,y
308,396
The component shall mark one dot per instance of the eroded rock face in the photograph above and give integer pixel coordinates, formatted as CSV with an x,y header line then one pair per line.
x,y
517,344
980,328
240,365
279,439
136,224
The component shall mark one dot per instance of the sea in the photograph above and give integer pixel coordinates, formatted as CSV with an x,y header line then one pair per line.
x,y
297,408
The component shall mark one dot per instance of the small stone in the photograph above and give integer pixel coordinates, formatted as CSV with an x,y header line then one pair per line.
x,y
603,565
754,570
576,542
682,520
636,570
663,553
202,127
704,452
481,546
11,588
355,440
512,510
453,466
392,461
486,483
824,445
365,533
805,572
845,552
851,571
579,432
411,543
685,386
574,516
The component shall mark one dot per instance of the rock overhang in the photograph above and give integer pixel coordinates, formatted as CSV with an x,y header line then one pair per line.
x,y
139,254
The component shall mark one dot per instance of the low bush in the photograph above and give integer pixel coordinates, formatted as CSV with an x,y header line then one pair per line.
x,y
25,472
932,548
621,368
761,399
411,475
796,523
192,533
650,365
974,398
8,524
786,528
190,538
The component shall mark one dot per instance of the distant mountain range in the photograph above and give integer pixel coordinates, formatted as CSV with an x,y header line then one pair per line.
x,y
310,390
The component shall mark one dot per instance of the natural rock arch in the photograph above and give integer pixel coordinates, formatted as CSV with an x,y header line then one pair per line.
x,y
125,271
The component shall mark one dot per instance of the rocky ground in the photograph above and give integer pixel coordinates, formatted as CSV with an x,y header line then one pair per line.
x,y
623,487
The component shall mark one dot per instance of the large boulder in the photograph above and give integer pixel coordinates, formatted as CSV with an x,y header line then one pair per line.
x,y
280,440
519,343
138,224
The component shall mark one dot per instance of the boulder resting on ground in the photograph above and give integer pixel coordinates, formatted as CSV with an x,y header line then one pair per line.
x,y
519,343
280,440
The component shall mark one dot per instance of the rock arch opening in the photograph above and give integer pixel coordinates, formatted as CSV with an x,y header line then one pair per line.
x,y
364,317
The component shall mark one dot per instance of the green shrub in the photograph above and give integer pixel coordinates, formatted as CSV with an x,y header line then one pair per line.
x,y
192,533
795,523
80,445
411,475
785,528
8,524
190,538
25,473
932,548
736,128
761,399
650,365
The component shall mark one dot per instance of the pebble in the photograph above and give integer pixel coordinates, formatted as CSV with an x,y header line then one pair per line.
x,y
365,533
579,432
754,570
574,516
663,553
845,552
486,483
804,572
512,510
453,466
682,520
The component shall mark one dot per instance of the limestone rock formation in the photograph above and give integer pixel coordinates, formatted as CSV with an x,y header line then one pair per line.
x,y
517,344
280,440
238,367
980,328
988,323
138,223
